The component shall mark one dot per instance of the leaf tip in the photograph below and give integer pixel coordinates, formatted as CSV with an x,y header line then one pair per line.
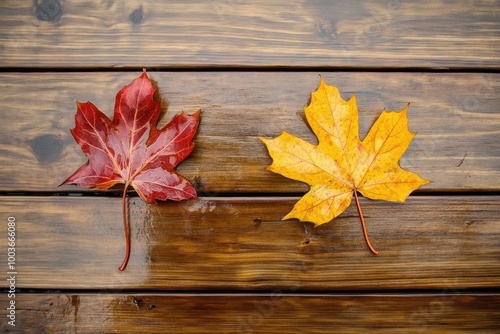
x,y
315,224
289,216
63,183
425,181
315,220
322,82
194,116
267,142
197,114
405,109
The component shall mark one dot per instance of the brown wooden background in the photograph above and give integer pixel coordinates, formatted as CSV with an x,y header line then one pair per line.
x,y
227,263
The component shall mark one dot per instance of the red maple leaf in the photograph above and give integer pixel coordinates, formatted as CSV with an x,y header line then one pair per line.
x,y
130,149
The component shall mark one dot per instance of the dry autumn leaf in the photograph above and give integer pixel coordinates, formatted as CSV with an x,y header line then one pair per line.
x,y
341,165
130,149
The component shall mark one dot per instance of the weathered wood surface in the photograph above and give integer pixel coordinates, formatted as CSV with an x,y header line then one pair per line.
x,y
384,33
240,244
456,117
451,311
229,264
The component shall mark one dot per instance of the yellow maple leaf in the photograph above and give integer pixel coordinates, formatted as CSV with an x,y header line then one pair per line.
x,y
341,165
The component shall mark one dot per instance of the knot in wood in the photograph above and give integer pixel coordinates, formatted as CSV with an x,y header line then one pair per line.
x,y
48,10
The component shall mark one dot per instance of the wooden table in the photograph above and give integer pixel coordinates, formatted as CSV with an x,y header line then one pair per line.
x,y
227,263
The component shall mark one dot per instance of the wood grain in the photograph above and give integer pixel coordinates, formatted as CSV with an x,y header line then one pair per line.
x,y
136,33
455,115
448,312
219,244
229,264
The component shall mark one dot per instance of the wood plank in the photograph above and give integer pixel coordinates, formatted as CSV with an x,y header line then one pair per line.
x,y
456,117
219,244
451,311
54,33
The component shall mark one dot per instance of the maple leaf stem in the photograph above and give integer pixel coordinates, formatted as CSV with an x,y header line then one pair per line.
x,y
365,232
125,227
